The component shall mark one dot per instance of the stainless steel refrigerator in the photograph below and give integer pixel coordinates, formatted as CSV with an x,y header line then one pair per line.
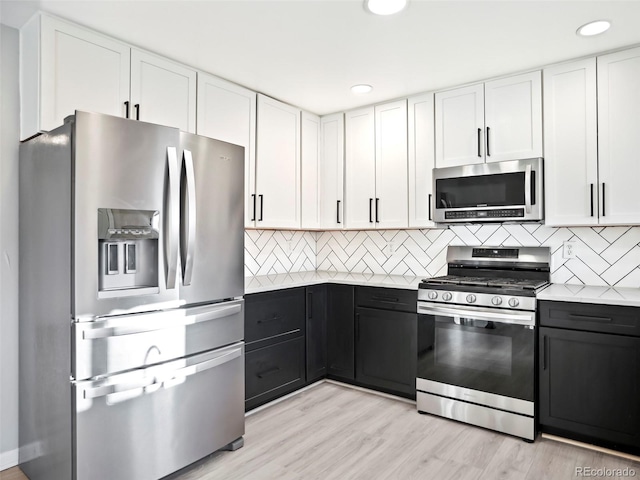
x,y
131,309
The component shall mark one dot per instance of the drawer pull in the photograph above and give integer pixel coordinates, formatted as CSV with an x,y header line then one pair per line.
x,y
268,372
589,318
382,298
275,318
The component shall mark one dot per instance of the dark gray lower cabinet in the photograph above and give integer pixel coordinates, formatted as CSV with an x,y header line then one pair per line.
x,y
340,332
273,371
275,344
316,332
386,336
590,379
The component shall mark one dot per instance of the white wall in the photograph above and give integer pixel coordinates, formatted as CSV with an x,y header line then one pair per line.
x,y
9,134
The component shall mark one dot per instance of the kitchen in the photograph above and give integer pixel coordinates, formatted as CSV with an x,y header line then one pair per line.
x,y
591,243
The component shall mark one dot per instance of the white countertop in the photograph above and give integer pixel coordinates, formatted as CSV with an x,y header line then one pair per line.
x,y
265,283
587,294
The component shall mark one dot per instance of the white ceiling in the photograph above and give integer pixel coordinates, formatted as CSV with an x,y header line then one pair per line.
x,y
309,53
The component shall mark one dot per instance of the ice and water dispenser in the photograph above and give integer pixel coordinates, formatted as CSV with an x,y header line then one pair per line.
x,y
128,250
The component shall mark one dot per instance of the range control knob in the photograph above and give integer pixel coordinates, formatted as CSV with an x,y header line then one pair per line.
x,y
446,296
514,302
471,298
432,295
496,300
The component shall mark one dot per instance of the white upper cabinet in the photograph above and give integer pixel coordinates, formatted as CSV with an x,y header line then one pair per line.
x,y
570,144
310,168
66,68
360,168
277,165
162,92
376,187
332,171
391,205
619,137
421,160
494,121
513,117
460,126
591,141
227,112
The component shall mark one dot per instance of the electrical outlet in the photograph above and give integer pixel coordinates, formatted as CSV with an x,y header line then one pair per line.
x,y
391,248
568,249
289,247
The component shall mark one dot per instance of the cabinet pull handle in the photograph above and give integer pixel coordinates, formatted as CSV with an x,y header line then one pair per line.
x,y
137,107
589,318
371,210
488,153
603,199
479,140
377,210
274,318
126,109
591,188
544,352
268,372
357,327
384,298
253,217
309,305
261,207
338,211
430,207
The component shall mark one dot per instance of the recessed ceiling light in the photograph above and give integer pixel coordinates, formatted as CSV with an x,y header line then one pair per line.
x,y
385,7
362,88
594,28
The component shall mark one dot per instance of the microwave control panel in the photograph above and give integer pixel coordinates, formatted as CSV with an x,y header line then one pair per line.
x,y
482,214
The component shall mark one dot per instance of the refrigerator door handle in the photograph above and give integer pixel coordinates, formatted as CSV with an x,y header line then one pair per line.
x,y
145,325
190,219
153,380
173,217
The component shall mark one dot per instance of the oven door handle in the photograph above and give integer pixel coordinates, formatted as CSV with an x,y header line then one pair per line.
x,y
524,318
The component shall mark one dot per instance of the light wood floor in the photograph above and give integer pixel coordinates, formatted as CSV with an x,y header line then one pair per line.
x,y
335,432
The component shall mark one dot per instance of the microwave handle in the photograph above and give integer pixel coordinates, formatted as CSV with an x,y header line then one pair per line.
x,y
527,189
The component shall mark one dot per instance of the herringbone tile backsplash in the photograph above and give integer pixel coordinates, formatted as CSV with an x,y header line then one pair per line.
x,y
604,255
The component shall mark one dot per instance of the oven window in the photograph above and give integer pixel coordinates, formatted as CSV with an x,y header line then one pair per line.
x,y
474,351
496,190
488,356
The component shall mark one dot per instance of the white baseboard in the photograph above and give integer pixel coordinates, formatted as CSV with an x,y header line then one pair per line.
x,y
8,459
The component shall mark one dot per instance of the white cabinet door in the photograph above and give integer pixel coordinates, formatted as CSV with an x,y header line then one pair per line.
x,y
162,92
360,169
310,168
421,160
460,126
228,112
332,171
570,139
277,164
619,137
392,201
513,118
66,68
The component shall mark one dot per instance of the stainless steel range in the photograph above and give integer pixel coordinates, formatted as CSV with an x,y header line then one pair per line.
x,y
477,336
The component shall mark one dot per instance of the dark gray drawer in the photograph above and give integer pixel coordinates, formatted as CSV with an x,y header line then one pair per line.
x,y
590,317
387,298
273,371
272,314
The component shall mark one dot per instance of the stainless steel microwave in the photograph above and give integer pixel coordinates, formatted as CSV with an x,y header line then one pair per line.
x,y
489,192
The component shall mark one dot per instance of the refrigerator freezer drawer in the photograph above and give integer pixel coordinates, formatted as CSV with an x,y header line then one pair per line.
x,y
150,422
131,341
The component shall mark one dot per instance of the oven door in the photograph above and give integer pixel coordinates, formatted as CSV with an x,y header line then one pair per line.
x,y
481,349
